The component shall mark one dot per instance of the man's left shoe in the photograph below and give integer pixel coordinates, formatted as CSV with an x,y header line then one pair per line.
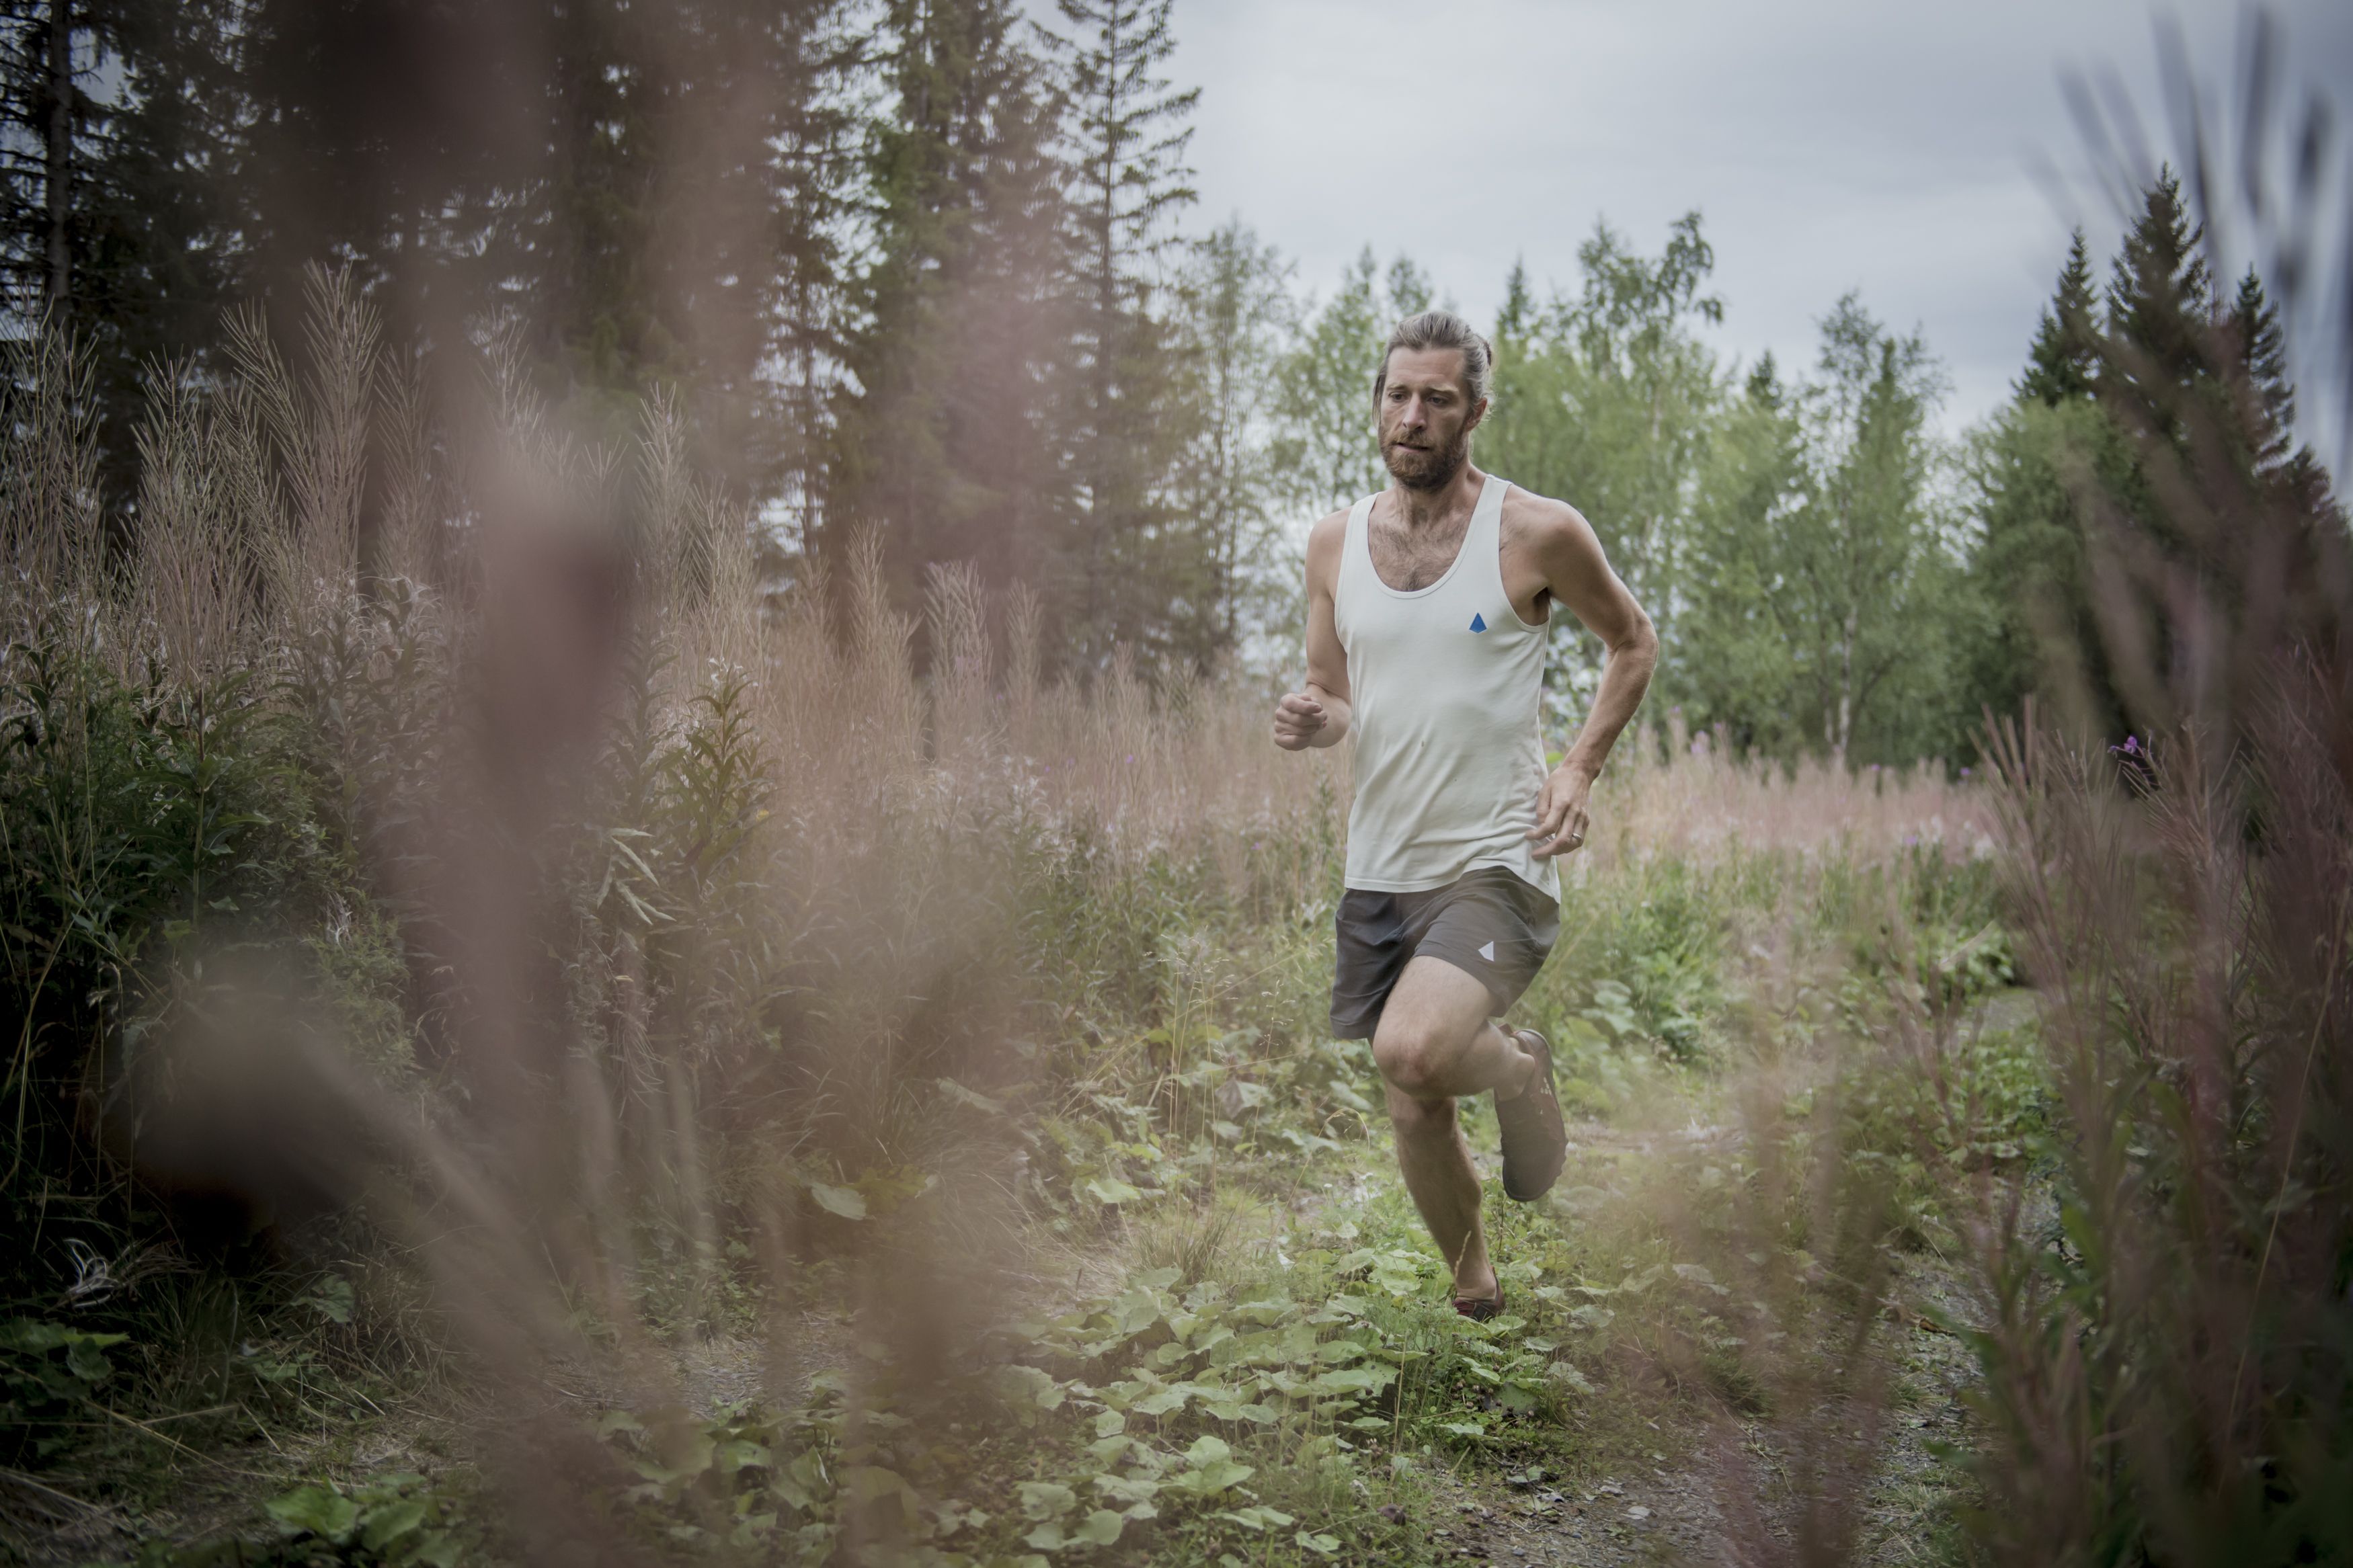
x,y
1536,1139
1482,1309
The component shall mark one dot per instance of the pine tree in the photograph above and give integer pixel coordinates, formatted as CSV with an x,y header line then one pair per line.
x,y
1127,134
122,118
2063,361
650,183
2262,359
941,424
52,49
2160,297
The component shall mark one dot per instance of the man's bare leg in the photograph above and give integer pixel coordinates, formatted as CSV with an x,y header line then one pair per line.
x,y
1434,1042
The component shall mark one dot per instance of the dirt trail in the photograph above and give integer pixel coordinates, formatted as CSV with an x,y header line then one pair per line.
x,y
1642,1506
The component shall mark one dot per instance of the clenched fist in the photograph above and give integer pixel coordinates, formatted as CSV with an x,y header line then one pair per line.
x,y
1299,718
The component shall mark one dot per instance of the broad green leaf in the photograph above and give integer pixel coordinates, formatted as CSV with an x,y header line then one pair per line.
x,y
972,1098
382,1526
321,1510
1102,1528
1161,1403
331,1296
1565,1372
847,1202
737,1453
1046,1500
439,1549
1209,1479
33,1338
1322,1545
1029,1384
1359,1379
1258,1516
1046,1537
88,1362
1126,1489
1109,1190
862,1484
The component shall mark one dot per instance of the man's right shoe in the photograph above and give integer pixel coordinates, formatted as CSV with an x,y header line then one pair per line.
x,y
1535,1138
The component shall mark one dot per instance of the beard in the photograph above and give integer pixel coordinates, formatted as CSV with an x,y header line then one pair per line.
x,y
1428,469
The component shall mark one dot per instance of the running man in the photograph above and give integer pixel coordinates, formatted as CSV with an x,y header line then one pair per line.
x,y
1428,606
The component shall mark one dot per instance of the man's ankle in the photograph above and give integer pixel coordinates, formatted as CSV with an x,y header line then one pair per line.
x,y
1524,1067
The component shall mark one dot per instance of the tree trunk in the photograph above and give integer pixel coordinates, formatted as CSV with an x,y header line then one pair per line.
x,y
1846,683
58,187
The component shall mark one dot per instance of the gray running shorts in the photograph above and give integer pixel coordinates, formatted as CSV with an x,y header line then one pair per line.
x,y
1488,923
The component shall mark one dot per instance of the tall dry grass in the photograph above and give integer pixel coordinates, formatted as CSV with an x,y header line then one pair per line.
x,y
2153,1290
705,906
696,888
1679,796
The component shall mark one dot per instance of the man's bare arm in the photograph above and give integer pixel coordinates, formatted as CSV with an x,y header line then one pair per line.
x,y
1318,714
1579,577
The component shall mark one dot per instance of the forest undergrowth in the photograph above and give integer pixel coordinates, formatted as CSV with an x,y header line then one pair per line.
x,y
529,1043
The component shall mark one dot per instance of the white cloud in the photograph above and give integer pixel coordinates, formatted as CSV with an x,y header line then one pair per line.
x,y
1830,144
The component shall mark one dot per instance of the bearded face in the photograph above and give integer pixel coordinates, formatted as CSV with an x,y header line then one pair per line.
x,y
1418,465
1425,418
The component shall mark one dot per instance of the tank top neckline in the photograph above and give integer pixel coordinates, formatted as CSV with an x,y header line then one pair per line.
x,y
1491,490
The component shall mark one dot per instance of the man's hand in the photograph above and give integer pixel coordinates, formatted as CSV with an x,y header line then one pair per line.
x,y
1299,718
1561,812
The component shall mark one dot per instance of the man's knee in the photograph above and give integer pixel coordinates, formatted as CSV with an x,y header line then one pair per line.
x,y
1413,1061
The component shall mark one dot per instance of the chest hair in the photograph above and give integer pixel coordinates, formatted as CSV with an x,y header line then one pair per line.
x,y
1410,561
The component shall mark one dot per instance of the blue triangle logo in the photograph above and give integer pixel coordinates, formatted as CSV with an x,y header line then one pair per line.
x,y
1478,622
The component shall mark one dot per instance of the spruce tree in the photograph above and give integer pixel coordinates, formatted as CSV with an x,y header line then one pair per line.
x,y
2160,296
2063,360
1126,135
2261,361
940,438
120,225
53,50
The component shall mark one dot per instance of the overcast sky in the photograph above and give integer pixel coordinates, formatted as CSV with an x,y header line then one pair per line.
x,y
1829,144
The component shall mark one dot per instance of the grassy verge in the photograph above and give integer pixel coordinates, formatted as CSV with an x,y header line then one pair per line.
x,y
573,1059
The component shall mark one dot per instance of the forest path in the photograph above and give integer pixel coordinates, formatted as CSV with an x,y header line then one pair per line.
x,y
1667,1477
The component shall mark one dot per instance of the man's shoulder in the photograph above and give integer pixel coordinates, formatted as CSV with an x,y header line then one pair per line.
x,y
1326,534
1540,517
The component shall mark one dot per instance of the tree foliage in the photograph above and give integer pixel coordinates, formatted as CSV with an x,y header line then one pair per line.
x,y
920,272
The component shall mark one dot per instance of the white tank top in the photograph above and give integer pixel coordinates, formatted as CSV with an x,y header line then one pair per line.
x,y
1447,686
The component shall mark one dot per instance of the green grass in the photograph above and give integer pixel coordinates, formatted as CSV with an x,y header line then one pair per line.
x,y
1266,1368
